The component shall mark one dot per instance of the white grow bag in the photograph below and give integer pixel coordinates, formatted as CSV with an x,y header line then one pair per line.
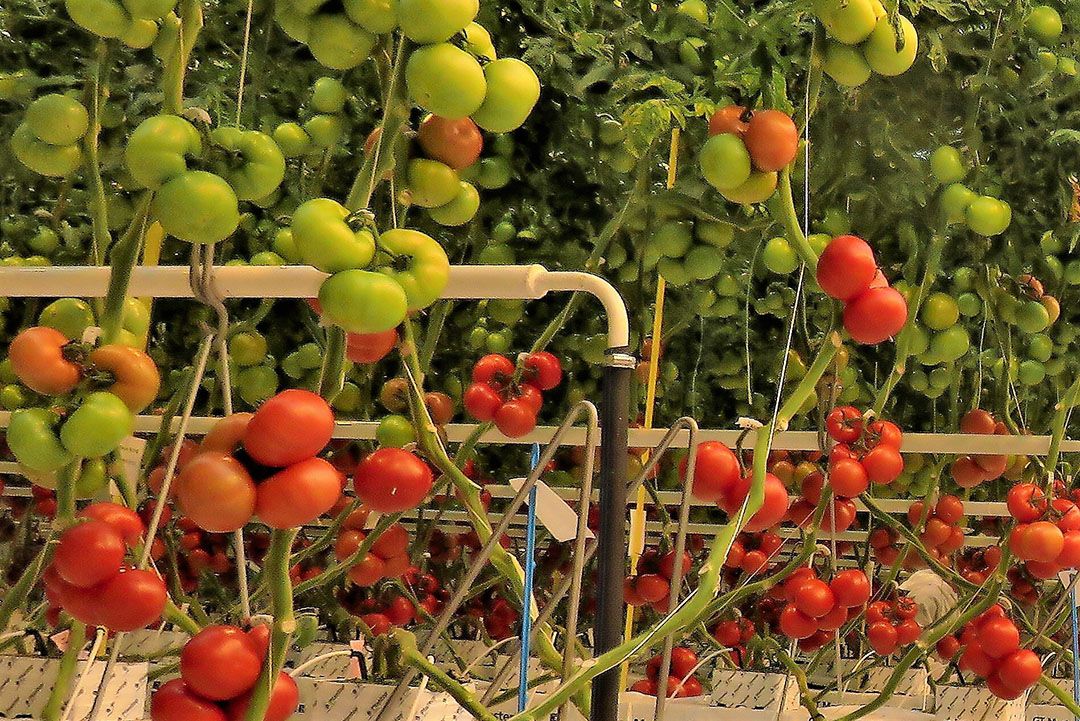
x,y
25,685
1044,706
975,703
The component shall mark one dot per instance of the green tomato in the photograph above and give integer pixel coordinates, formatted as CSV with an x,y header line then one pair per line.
x,y
988,216
950,344
759,188
105,18
431,183
1032,317
460,210
512,92
714,233
704,262
963,278
395,431
1040,347
1031,373
969,305
93,478
1044,22
610,132
325,131
496,255
947,165
158,149
70,316
337,43
259,167
349,398
324,238
920,340
31,435
119,210
478,41
940,377
97,426
848,21
725,162
506,311
257,384
955,200
503,232
818,242
673,271
1048,61
435,21
1072,272
694,9
939,311
247,348
267,258
136,317
445,80
427,268
198,207
292,139
498,342
888,55
478,337
57,119
44,242
56,161
285,245
836,222
494,173
328,95
363,302
149,9
7,372
673,238
375,16
1067,66
846,65
779,257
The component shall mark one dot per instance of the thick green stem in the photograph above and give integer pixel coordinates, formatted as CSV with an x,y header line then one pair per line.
x,y
65,675
122,260
178,618
406,643
281,594
332,374
782,206
99,216
172,79
1061,414
1061,695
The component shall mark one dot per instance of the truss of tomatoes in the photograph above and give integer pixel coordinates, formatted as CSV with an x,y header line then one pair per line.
x,y
873,310
387,558
745,150
90,579
816,609
971,470
383,610
1047,533
652,583
497,395
989,647
219,667
681,681
891,625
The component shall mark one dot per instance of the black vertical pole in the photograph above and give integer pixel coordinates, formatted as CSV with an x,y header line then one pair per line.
x,y
611,543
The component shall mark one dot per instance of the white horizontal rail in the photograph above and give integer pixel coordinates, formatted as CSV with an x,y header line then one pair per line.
x,y
466,282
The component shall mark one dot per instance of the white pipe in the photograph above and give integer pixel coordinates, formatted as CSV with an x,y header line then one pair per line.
x,y
614,307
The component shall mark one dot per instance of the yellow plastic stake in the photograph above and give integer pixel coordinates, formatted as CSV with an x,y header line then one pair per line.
x,y
637,518
155,235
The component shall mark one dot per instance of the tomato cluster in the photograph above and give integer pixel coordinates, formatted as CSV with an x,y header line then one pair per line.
x,y
983,214
262,464
387,558
942,533
891,624
219,667
745,150
323,130
133,22
449,148
47,141
1047,533
862,39
498,615
848,271
652,583
680,684
495,395
753,553
88,576
970,470
816,610
991,650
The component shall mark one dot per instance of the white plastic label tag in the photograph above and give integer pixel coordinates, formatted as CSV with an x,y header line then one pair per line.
x,y
553,512
91,334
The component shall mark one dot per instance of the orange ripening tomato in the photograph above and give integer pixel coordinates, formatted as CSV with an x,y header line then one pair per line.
x,y
216,492
226,435
772,140
37,358
136,378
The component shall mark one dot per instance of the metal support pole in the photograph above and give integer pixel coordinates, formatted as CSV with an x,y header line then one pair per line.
x,y
611,539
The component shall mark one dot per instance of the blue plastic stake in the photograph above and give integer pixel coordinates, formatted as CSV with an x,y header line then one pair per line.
x,y
1076,651
530,569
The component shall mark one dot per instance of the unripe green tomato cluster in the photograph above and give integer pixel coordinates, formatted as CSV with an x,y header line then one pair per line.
x,y
983,214
862,41
325,127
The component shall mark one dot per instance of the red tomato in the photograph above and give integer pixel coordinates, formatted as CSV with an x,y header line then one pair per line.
x,y
284,698
772,140
727,633
377,622
950,509
887,433
1020,670
298,494
907,632
978,421
122,519
947,648
220,662
131,600
646,686
883,464
883,637
846,267
995,686
37,358
967,473
851,588
728,120
88,554
400,611
683,661
515,418
392,542
543,369
292,426
876,315
772,510
651,587
794,582
1026,502
392,480
848,478
840,516
532,397
796,624
1070,550
456,143
216,492
368,571
227,434
814,598
370,347
716,469
1039,541
973,659
481,401
174,702
998,637
845,425
493,369
833,620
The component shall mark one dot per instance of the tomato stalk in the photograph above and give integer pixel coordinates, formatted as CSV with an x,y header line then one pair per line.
x,y
342,567
406,643
1061,414
1060,694
281,595
799,675
782,205
99,216
17,594
65,674
172,79
122,260
332,373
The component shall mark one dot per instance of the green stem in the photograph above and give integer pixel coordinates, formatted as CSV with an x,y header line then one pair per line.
x,y
172,79
99,216
122,260
406,643
178,618
1060,694
1061,413
782,206
332,374
15,596
281,594
65,674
